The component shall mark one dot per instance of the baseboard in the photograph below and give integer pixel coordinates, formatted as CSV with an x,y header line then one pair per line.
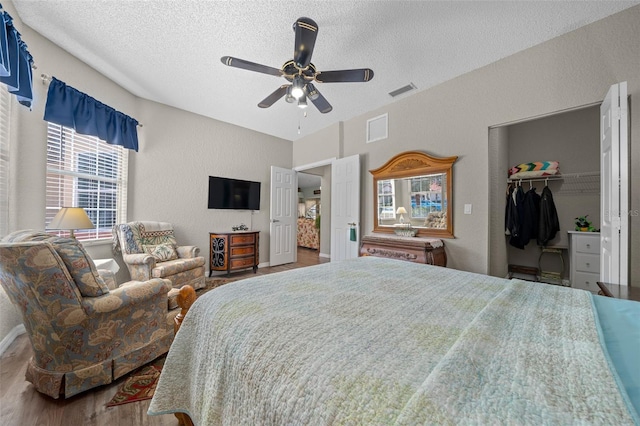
x,y
9,338
328,256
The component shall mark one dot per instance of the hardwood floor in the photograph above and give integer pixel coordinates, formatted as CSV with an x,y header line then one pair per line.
x,y
21,405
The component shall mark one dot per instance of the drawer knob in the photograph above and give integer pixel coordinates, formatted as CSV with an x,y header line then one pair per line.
x,y
588,245
587,282
587,264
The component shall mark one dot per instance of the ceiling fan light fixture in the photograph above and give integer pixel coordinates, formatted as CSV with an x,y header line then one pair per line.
x,y
302,101
296,88
312,93
288,97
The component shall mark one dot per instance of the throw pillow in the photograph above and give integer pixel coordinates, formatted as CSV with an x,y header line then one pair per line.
x,y
161,252
80,266
156,237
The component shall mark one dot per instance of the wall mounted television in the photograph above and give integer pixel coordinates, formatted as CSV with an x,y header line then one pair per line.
x,y
235,194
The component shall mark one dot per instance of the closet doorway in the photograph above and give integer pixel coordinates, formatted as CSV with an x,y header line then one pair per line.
x,y
572,139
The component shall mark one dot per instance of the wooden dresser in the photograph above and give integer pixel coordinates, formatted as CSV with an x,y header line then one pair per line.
x,y
230,251
412,249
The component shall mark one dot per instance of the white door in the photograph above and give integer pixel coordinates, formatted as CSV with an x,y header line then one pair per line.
x,y
284,196
345,208
614,172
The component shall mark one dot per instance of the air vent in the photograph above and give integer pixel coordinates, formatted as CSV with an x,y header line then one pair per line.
x,y
377,128
402,90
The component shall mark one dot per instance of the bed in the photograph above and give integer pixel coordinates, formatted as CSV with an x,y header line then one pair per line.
x,y
380,341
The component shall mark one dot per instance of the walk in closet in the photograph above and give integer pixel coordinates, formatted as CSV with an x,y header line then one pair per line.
x,y
570,138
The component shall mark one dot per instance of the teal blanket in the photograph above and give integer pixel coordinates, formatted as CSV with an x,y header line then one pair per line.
x,y
373,341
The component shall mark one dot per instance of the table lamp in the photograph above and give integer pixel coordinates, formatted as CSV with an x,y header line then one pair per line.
x,y
401,210
71,218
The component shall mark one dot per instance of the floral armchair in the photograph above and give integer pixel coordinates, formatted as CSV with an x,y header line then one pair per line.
x,y
150,250
85,330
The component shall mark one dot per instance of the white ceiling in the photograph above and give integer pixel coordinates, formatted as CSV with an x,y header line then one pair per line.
x,y
169,51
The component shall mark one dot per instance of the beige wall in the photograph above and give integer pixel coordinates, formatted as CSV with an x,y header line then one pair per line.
x,y
453,119
322,145
178,152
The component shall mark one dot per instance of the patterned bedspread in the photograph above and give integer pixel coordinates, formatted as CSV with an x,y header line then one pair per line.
x,y
373,341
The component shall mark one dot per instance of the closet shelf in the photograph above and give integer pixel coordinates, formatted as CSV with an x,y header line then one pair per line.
x,y
570,183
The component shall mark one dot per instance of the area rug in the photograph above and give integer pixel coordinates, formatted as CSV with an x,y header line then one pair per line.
x,y
141,383
215,282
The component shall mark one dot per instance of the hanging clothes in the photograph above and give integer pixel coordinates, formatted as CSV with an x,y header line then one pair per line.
x,y
510,214
549,224
517,211
529,222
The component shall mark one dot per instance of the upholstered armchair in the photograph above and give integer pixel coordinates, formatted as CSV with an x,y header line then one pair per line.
x,y
150,250
85,331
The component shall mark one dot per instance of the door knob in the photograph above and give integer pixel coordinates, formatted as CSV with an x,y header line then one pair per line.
x,y
274,220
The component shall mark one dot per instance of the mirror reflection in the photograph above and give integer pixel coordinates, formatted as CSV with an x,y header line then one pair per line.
x,y
411,195
419,201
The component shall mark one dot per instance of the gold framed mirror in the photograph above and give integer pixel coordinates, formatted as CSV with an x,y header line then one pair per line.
x,y
413,190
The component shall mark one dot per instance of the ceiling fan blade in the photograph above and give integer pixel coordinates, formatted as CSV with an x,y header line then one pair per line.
x,y
306,32
318,100
250,66
272,98
345,76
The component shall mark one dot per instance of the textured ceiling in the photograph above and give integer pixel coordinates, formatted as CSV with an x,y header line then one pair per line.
x,y
169,51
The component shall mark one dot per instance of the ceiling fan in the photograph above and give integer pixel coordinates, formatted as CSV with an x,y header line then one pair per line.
x,y
300,72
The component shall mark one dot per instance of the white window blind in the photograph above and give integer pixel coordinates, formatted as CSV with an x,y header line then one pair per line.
x,y
386,199
5,111
84,171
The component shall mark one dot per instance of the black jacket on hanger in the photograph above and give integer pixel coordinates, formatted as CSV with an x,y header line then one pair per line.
x,y
549,224
529,222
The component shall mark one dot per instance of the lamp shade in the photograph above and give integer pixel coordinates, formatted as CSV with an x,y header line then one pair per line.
x,y
71,218
401,210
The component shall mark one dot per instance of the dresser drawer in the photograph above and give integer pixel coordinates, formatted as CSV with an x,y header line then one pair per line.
x,y
242,251
587,244
587,263
586,281
242,239
244,262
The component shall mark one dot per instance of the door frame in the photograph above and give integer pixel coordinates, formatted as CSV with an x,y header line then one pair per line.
x,y
497,260
327,210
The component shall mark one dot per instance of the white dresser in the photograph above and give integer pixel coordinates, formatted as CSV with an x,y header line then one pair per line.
x,y
585,260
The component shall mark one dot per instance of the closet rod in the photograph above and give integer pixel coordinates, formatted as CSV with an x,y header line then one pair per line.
x,y
555,177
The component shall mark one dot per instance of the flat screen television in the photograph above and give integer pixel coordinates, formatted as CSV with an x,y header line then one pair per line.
x,y
225,193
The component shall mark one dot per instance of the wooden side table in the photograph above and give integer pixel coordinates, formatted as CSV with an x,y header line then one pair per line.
x,y
230,251
619,291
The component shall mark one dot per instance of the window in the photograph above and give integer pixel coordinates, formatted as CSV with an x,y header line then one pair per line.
x,y
5,109
426,195
84,171
386,199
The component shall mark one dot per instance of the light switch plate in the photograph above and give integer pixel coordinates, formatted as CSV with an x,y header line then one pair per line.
x,y
467,209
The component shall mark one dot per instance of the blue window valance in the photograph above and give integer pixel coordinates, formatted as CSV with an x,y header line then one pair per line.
x,y
71,108
15,61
